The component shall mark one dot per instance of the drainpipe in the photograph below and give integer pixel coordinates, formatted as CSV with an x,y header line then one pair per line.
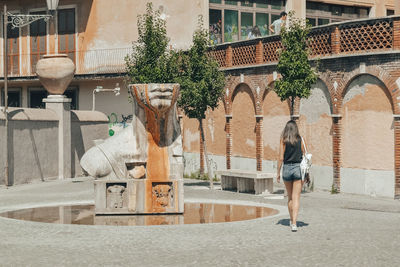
x,y
5,69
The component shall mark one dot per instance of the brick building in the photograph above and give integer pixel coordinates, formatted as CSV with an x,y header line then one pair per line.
x,y
358,68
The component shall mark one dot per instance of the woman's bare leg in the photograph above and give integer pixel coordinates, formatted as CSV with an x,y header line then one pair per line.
x,y
296,191
289,190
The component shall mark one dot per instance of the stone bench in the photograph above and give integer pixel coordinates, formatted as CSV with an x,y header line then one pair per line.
x,y
247,181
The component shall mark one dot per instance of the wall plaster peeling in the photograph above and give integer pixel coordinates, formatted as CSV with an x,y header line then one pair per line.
x,y
190,137
317,104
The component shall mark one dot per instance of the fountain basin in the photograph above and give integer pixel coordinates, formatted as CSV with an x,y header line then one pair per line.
x,y
195,213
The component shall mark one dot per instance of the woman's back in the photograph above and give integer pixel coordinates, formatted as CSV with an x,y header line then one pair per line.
x,y
293,153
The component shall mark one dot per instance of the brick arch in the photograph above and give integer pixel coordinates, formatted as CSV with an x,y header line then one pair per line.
x,y
268,89
378,73
331,96
232,88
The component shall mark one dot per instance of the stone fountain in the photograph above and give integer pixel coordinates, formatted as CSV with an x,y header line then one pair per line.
x,y
140,169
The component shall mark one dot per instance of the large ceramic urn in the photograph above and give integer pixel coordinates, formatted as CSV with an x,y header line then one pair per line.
x,y
55,72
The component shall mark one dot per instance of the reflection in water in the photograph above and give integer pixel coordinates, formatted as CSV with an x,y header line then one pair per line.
x,y
195,213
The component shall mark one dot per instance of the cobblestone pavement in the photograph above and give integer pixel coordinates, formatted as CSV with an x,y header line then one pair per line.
x,y
335,230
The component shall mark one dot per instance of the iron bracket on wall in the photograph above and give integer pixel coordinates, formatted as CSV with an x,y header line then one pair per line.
x,y
18,21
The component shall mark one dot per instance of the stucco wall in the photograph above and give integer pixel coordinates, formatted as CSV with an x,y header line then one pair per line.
x,y
243,124
276,114
33,142
315,124
368,139
113,24
215,131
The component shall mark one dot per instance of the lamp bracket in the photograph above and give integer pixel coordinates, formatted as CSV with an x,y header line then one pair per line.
x,y
18,21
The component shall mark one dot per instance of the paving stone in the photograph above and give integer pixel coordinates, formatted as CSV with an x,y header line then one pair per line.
x,y
334,230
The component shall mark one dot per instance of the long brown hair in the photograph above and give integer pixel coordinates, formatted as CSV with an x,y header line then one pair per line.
x,y
290,134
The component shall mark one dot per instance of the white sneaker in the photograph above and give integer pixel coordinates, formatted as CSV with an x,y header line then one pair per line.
x,y
294,227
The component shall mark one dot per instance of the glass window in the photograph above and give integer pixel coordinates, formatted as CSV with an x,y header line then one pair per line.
x,y
215,1
363,12
66,32
231,33
247,25
323,22
231,2
72,92
336,10
36,96
324,7
262,22
246,3
37,31
215,26
261,4
66,21
14,97
312,21
389,12
277,4
348,10
13,50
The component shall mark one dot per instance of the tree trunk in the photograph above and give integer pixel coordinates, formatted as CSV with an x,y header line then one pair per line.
x,y
291,106
209,169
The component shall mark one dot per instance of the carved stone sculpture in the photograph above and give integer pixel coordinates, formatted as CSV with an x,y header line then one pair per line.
x,y
147,155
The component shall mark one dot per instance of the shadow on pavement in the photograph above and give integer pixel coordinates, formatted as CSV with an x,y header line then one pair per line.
x,y
205,183
286,222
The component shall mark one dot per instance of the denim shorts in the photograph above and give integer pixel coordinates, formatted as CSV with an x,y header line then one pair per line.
x,y
291,172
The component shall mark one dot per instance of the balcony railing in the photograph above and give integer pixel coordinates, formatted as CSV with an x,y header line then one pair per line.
x,y
350,37
100,61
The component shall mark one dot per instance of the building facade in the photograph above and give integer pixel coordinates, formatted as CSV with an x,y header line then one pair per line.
x,y
98,34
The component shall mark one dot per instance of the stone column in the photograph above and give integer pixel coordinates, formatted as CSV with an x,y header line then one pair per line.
x,y
336,144
299,6
397,156
378,9
60,104
335,41
228,141
229,57
259,141
396,33
397,7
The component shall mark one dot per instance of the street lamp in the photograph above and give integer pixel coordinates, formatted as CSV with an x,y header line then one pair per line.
x,y
17,21
99,89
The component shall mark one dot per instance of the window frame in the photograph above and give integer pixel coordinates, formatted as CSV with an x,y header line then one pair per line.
x,y
11,89
35,89
19,53
314,11
75,34
246,9
33,11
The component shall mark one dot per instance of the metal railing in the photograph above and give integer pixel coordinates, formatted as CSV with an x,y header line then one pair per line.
x,y
349,37
99,61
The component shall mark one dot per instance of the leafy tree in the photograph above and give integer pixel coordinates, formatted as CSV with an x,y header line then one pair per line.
x,y
202,83
151,61
297,74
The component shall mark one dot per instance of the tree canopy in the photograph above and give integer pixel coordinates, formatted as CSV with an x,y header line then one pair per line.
x,y
202,83
297,74
151,61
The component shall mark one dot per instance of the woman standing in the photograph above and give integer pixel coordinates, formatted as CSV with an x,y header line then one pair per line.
x,y
291,153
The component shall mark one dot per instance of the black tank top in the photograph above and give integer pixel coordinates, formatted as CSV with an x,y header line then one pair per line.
x,y
293,153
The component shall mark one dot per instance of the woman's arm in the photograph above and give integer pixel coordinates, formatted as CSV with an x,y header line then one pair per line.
x,y
271,28
280,160
303,144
